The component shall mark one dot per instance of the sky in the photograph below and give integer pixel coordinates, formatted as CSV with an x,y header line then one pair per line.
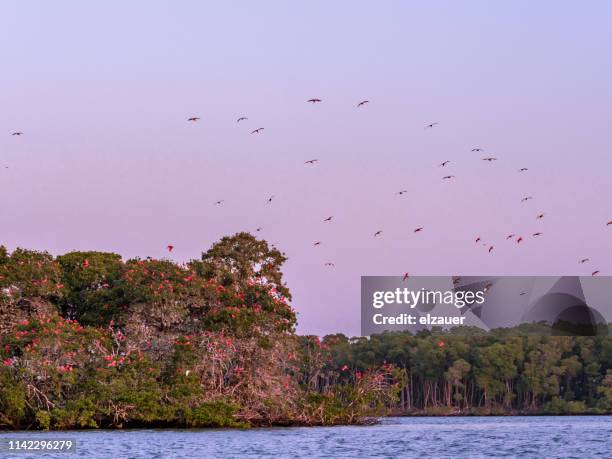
x,y
102,91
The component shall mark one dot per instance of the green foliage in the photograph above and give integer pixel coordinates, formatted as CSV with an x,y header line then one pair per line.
x,y
214,414
93,289
12,399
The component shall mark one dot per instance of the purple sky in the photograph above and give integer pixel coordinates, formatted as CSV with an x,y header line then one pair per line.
x,y
109,162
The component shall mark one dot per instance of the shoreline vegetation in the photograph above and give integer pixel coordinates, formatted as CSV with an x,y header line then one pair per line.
x,y
88,340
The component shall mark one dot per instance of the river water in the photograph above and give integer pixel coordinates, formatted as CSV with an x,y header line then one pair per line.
x,y
458,437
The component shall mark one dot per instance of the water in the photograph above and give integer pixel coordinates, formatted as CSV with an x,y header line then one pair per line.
x,y
508,437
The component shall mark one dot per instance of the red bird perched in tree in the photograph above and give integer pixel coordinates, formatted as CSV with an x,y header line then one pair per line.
x,y
314,100
344,368
170,247
441,344
86,263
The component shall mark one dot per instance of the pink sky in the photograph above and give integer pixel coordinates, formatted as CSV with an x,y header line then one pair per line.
x,y
109,162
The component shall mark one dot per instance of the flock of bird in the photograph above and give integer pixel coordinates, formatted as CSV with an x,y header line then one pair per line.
x,y
311,162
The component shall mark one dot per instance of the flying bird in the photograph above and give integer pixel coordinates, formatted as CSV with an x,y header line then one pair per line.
x,y
540,217
537,234
430,125
519,239
406,276
270,199
401,192
317,243
526,198
477,239
193,118
491,249
584,260
219,202
170,247
509,236
609,223
314,100
242,118
259,229
490,158
311,161
328,219
595,273
477,149
257,131
419,229
447,177
17,133
377,233
330,264
444,163
523,169
362,103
